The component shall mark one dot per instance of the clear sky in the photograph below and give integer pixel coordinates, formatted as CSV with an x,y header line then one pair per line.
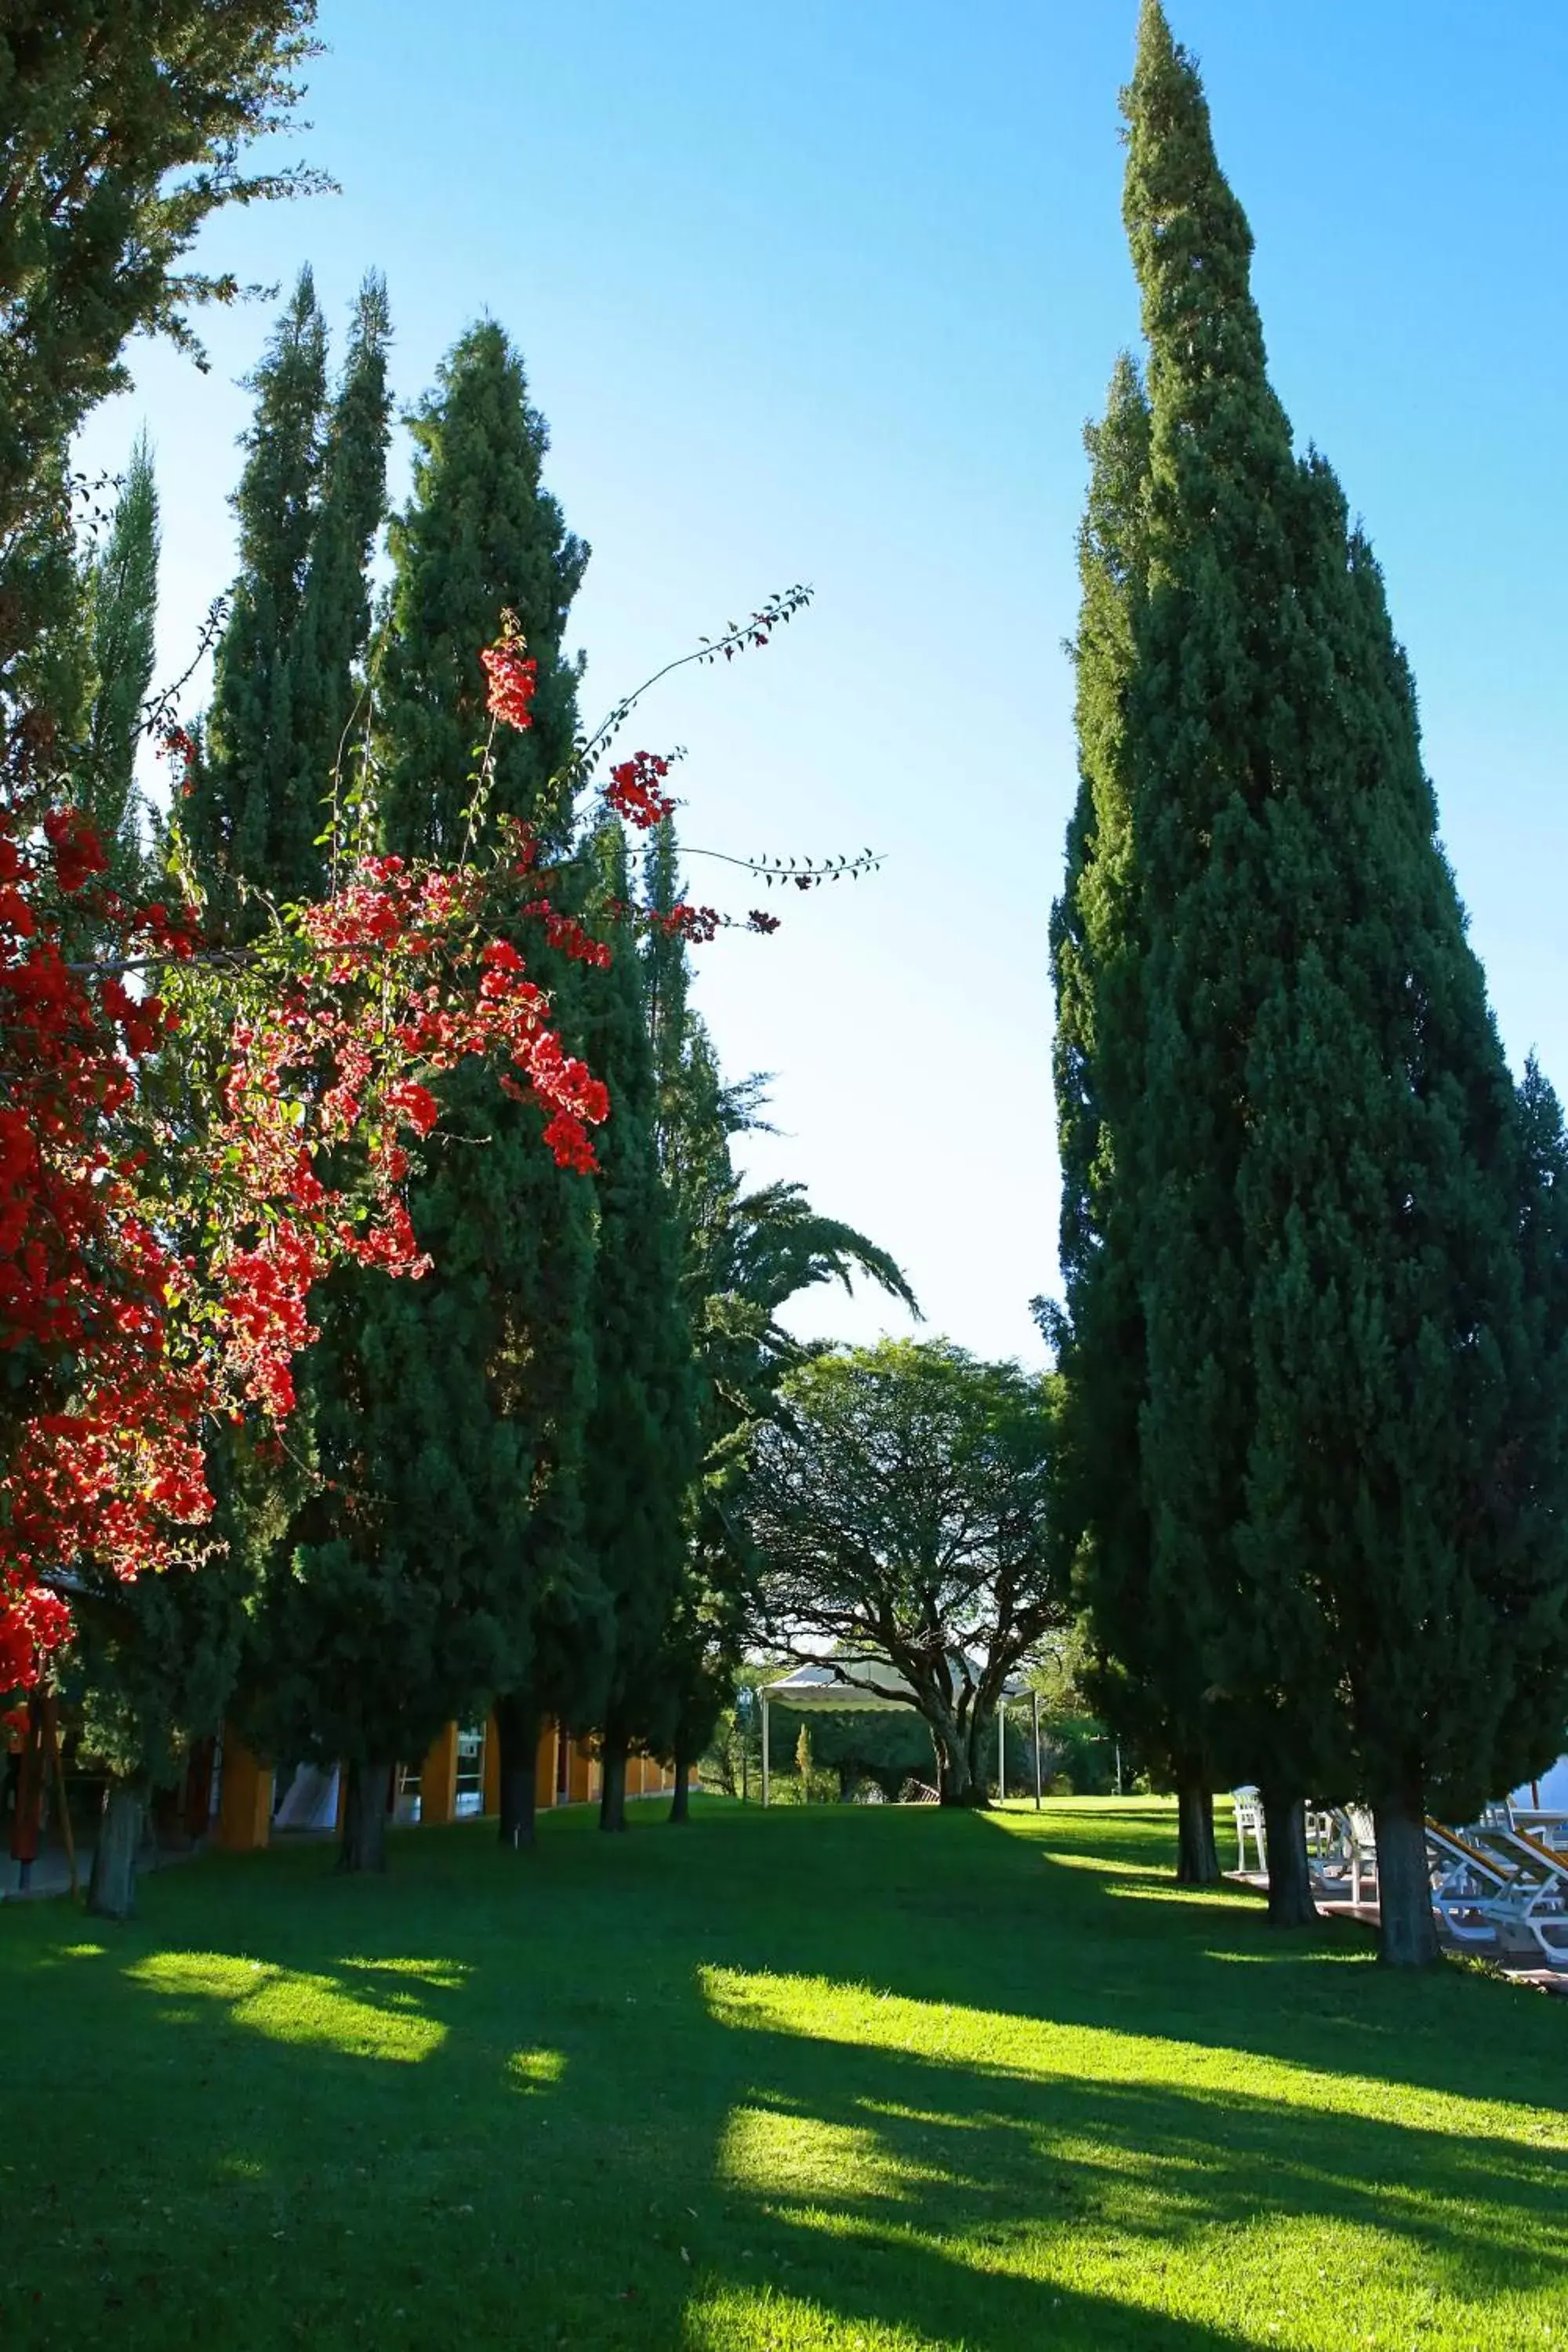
x,y
826,292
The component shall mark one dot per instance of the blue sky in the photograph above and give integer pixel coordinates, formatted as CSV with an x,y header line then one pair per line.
x,y
826,293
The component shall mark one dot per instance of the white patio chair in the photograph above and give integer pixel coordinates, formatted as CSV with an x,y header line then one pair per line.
x,y
1249,1807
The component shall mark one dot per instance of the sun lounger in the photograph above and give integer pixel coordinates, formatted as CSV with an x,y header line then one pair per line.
x,y
1465,1879
1550,1828
1529,1855
1517,1897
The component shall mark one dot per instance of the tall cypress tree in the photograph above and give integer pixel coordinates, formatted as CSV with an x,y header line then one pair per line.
x,y
245,817
327,694
122,604
703,1639
439,1562
743,1256
1149,1664
1350,1448
482,534
311,501
641,1454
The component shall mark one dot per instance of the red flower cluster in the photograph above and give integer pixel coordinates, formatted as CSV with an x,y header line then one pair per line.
x,y
633,790
173,743
759,920
76,849
567,1137
413,1103
697,925
514,678
564,932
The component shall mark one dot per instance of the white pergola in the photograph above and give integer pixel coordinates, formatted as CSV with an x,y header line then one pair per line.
x,y
849,1687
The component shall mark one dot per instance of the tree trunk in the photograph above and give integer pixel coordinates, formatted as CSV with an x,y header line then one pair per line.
x,y
1197,1862
1290,1903
980,1728
613,1800
956,1786
112,1889
1407,1933
940,1755
366,1803
680,1796
516,1730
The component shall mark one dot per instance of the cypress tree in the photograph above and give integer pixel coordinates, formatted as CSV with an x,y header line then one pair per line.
x,y
743,1256
439,1562
333,628
311,498
1150,1670
46,648
245,817
122,604
1350,1449
641,1453
481,532
311,501
152,1665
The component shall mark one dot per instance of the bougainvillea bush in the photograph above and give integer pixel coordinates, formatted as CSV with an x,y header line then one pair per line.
x,y
191,1137
193,1134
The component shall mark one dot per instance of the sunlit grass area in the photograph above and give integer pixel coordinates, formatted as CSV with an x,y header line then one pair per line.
x,y
844,2076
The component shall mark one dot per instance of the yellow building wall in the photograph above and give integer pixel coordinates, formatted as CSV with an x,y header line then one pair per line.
x,y
245,1798
438,1778
544,1768
584,1774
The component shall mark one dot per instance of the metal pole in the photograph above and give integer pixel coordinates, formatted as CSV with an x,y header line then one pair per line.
x,y
764,1747
1035,1695
1119,1767
1001,1751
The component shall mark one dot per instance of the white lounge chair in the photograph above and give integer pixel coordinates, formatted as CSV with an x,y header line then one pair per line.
x,y
1465,1878
1496,1879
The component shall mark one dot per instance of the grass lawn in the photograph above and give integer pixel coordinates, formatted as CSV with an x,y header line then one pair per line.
x,y
849,2078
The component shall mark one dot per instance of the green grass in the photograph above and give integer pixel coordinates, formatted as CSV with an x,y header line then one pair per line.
x,y
878,2078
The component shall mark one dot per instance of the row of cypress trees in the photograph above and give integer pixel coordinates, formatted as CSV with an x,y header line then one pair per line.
x,y
1312,1236
492,1465
506,1484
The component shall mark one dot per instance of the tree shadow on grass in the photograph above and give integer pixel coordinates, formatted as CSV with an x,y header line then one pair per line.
x,y
585,2100
1099,1934
948,2171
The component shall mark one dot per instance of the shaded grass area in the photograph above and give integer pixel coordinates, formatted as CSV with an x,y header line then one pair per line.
x,y
852,2077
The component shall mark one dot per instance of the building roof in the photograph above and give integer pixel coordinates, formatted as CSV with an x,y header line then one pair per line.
x,y
851,1683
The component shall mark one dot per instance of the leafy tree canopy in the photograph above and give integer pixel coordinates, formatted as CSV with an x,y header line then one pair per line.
x,y
898,1506
123,126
